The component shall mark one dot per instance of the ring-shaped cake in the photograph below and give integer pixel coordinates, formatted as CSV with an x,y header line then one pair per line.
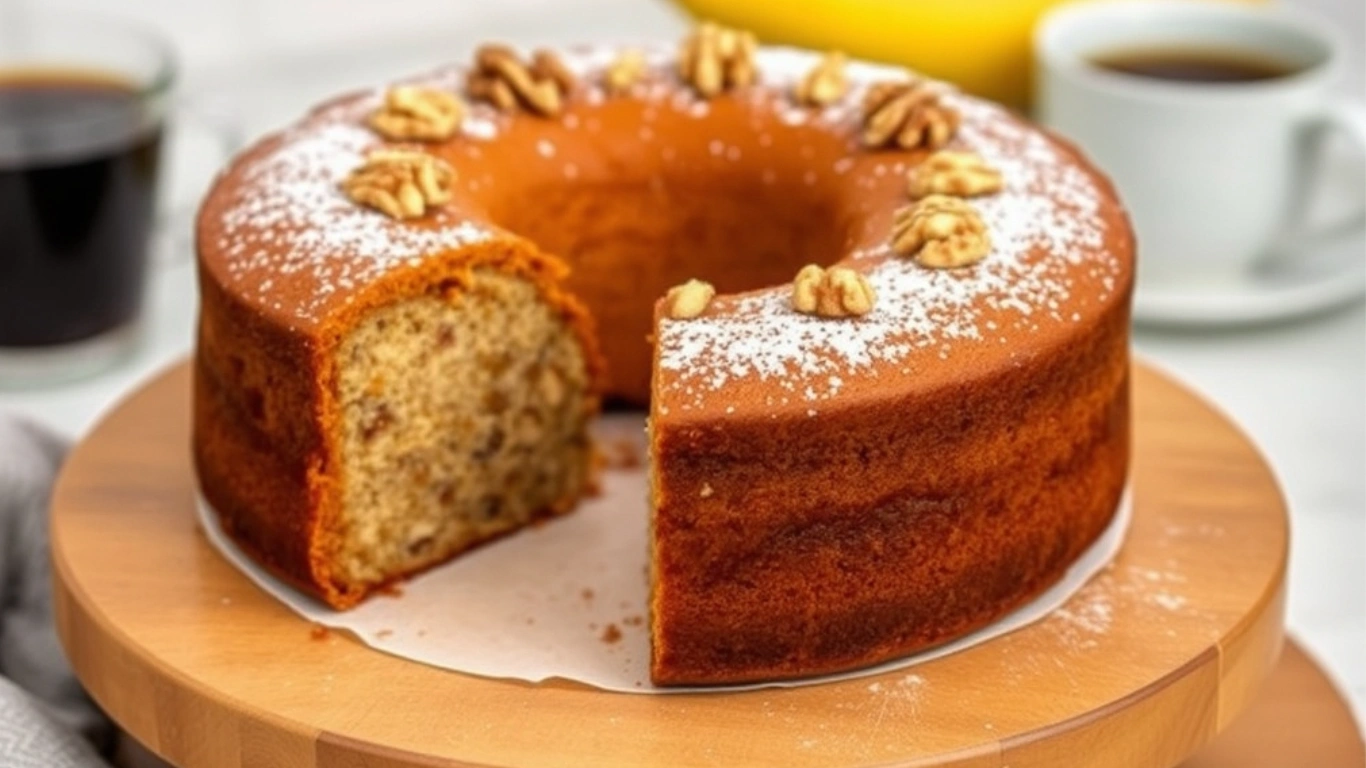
x,y
909,456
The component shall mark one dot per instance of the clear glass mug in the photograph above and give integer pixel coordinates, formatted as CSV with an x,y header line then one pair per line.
x,y
84,108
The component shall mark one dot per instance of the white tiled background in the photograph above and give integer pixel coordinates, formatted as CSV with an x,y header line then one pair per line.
x,y
1298,389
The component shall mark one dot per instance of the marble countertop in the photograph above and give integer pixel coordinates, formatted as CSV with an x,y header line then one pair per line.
x,y
1297,388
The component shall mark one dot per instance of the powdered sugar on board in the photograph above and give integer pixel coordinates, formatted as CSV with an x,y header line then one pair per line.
x,y
568,599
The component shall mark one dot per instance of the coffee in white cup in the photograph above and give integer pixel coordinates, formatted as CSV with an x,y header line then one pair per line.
x,y
1205,115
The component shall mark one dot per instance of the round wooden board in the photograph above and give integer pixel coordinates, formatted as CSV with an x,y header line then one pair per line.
x,y
1297,719
1144,665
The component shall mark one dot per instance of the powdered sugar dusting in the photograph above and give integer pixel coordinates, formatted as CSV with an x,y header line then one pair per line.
x,y
1046,230
286,221
288,217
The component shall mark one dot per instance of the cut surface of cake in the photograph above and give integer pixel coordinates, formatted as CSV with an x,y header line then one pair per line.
x,y
896,409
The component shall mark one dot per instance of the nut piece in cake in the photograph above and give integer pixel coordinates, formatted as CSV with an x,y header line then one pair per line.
x,y
825,83
624,72
960,174
716,58
401,183
686,301
834,292
502,79
940,232
411,113
906,115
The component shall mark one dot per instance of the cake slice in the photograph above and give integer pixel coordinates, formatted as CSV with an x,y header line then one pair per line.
x,y
434,422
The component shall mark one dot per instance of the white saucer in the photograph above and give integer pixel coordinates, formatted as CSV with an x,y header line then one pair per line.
x,y
1259,298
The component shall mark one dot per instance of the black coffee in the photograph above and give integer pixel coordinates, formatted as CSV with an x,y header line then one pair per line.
x,y
78,167
1195,65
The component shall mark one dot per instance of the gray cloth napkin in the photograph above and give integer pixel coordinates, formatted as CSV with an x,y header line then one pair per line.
x,y
46,719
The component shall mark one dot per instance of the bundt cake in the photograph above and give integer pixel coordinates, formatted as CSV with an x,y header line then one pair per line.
x,y
881,329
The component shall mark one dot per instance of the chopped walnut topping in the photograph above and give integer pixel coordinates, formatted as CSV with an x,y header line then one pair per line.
x,y
401,183
825,83
834,292
960,174
906,115
715,58
547,65
686,301
411,113
624,72
940,232
503,80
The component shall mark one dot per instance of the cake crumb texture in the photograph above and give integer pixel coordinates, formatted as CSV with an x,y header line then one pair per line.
x,y
458,424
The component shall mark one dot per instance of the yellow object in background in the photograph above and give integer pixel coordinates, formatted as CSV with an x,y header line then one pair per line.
x,y
981,45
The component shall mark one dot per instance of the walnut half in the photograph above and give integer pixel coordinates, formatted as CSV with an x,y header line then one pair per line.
x,y
624,71
940,232
412,113
960,174
505,81
401,183
906,115
689,300
825,83
716,58
834,292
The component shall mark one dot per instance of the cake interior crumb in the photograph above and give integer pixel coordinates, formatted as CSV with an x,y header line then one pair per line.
x,y
452,435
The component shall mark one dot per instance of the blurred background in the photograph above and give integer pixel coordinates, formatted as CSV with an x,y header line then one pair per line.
x,y
261,59
1296,383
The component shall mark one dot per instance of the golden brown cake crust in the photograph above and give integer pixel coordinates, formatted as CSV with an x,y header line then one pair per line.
x,y
828,493
918,520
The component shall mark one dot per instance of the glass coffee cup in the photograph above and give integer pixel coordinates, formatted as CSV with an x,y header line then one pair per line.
x,y
84,102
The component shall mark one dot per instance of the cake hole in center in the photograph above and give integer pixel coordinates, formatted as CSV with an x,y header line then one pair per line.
x,y
737,225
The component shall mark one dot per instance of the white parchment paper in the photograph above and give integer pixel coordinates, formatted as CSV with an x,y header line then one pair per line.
x,y
568,599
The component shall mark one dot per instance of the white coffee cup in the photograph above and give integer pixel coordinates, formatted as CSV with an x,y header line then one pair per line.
x,y
1213,174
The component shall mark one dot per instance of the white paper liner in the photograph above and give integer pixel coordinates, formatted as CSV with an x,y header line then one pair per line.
x,y
568,599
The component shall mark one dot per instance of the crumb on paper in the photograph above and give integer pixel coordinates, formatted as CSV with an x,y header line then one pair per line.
x,y
622,453
383,633
586,594
633,621
319,632
593,488
611,634
390,590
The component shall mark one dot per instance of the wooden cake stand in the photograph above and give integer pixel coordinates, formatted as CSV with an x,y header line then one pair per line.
x,y
1144,665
